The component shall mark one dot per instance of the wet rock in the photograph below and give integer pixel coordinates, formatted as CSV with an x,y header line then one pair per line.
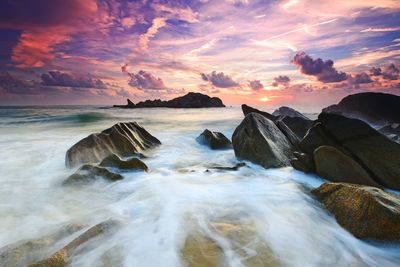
x,y
233,168
26,251
392,131
259,140
247,110
303,162
122,139
298,125
88,173
114,161
290,135
374,108
366,212
316,136
335,166
215,140
288,112
374,151
63,256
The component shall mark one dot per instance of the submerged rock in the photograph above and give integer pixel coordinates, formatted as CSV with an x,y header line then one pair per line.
x,y
88,173
366,212
335,166
374,151
122,139
63,256
259,140
374,108
233,168
215,140
114,161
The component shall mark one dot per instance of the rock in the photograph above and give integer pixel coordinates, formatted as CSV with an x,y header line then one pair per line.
x,y
234,168
122,139
392,131
88,173
129,105
200,250
62,257
374,108
114,161
290,135
247,109
298,125
190,100
366,212
288,112
26,251
215,140
259,140
335,166
303,162
372,150
316,136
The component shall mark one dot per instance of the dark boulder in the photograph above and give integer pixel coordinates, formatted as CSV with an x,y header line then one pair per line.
x,y
302,162
366,212
114,161
259,140
88,173
298,125
374,108
247,109
290,135
288,112
215,140
315,137
372,150
335,166
122,139
392,131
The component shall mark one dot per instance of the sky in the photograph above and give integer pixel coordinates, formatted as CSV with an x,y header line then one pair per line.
x,y
301,53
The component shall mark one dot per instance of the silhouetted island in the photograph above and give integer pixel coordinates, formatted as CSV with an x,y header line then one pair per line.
x,y
190,100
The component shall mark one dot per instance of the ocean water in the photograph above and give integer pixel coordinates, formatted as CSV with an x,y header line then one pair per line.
x,y
158,210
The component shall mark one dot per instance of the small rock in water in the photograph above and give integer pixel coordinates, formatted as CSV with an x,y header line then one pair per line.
x,y
215,140
233,168
366,212
131,164
88,173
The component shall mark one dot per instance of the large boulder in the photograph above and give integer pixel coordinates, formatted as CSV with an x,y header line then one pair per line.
x,y
366,212
316,136
288,112
247,110
298,125
215,140
122,139
371,149
114,161
374,108
303,162
259,140
335,166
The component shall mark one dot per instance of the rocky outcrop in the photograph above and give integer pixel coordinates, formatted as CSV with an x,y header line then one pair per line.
x,y
215,140
63,256
114,161
374,108
288,112
372,150
88,173
190,100
122,139
335,166
259,140
366,212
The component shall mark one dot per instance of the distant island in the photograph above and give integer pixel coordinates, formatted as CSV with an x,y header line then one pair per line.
x,y
190,100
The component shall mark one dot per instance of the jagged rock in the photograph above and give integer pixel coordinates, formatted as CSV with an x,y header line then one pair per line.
x,y
62,257
114,161
372,150
298,125
374,108
129,104
215,140
303,162
316,136
290,135
259,140
26,251
335,166
88,173
288,112
122,139
366,212
247,110
190,100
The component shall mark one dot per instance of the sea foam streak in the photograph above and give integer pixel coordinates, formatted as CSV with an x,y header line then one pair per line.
x,y
159,209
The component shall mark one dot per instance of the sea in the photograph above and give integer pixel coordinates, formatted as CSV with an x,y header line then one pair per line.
x,y
180,195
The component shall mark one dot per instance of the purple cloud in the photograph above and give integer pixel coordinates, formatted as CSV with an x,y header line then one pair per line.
x,y
322,69
360,78
374,71
281,80
256,85
219,79
391,72
145,81
57,78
